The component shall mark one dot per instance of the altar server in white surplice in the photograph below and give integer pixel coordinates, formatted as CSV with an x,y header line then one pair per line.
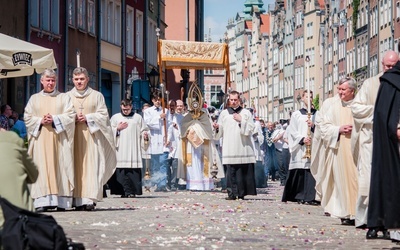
x,y
94,147
129,131
174,132
300,184
155,118
235,126
50,121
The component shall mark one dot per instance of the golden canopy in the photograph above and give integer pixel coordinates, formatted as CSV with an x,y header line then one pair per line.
x,y
193,55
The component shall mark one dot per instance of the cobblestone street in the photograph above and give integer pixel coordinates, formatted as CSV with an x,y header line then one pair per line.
x,y
205,220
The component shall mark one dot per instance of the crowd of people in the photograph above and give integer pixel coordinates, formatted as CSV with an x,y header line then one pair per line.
x,y
343,157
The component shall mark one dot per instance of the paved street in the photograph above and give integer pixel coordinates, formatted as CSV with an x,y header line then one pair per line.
x,y
205,220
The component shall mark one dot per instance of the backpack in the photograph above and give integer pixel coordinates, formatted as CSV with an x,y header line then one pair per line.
x,y
24,229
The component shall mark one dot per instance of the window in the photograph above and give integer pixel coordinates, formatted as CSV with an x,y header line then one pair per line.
x,y
361,55
276,86
55,25
214,91
139,34
82,14
310,31
381,15
152,42
398,10
71,13
91,18
117,24
35,13
361,14
372,23
281,60
111,21
45,15
302,45
130,31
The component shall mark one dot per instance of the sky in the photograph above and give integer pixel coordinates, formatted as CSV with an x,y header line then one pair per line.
x,y
218,12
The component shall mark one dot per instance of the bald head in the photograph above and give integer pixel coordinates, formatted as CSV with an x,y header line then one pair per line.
x,y
389,59
179,106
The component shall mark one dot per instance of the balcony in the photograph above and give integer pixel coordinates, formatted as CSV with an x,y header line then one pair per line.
x,y
361,30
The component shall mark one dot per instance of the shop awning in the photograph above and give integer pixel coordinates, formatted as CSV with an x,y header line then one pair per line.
x,y
21,58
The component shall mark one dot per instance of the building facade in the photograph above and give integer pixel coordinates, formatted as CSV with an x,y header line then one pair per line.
x,y
306,44
116,40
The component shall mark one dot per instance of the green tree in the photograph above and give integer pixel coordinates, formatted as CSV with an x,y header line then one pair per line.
x,y
316,102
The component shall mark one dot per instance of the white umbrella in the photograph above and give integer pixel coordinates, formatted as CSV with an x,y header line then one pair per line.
x,y
21,58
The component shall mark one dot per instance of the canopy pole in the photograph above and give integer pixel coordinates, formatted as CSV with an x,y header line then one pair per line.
x,y
160,63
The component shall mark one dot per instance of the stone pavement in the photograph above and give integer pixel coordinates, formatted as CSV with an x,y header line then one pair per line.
x,y
205,220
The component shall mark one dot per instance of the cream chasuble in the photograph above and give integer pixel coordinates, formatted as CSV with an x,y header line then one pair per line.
x,y
361,140
341,188
51,148
94,148
319,150
363,112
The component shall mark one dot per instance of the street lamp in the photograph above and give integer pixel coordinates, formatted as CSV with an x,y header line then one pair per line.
x,y
153,78
220,97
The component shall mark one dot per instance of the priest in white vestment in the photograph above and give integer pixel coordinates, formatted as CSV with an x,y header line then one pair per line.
x,y
341,180
50,121
198,153
130,131
363,110
319,151
94,147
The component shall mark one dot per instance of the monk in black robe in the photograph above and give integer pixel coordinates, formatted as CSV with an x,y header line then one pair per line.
x,y
384,197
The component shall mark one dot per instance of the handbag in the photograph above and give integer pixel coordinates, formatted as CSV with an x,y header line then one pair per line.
x,y
24,229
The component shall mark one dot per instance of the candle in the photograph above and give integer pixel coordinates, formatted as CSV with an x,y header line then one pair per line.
x,y
78,58
308,84
162,90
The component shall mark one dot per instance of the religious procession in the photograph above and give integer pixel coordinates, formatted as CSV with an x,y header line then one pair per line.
x,y
326,158
342,157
